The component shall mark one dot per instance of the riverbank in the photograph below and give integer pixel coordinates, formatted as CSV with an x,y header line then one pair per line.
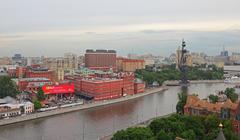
x,y
80,107
176,82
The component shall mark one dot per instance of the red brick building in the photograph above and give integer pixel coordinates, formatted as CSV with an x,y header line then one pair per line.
x,y
100,59
128,82
31,84
40,73
102,88
21,72
139,88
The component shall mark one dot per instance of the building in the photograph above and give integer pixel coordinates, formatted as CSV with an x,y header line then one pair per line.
x,y
28,107
102,88
40,72
223,110
9,110
128,82
17,59
21,72
31,84
62,65
15,109
55,92
5,61
139,87
129,65
235,58
100,59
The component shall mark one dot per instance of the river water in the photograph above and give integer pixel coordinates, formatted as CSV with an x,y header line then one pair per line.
x,y
91,124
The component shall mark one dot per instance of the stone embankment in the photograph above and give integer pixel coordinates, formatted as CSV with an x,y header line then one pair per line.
x,y
176,82
79,107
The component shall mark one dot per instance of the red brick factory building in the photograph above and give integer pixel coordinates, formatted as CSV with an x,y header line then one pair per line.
x,y
100,59
98,88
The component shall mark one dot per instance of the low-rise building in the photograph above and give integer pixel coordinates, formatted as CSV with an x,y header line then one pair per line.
x,y
15,109
223,110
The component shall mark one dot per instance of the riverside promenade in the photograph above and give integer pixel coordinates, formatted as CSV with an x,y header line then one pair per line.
x,y
79,107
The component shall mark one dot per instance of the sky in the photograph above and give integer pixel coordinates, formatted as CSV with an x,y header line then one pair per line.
x,y
54,27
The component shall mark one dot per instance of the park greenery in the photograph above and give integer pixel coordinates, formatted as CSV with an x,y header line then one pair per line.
x,y
230,94
186,127
37,104
213,98
40,97
182,99
7,87
203,72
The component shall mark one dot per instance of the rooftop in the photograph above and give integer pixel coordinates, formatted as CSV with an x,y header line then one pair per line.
x,y
194,102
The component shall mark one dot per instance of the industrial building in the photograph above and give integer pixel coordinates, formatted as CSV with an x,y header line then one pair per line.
x,y
100,59
103,87
31,84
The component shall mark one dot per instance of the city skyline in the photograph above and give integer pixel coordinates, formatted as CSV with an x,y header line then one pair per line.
x,y
39,28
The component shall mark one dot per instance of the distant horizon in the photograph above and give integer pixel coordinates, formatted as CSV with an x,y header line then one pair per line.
x,y
50,28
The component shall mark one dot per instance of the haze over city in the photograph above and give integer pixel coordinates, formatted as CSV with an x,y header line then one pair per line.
x,y
35,28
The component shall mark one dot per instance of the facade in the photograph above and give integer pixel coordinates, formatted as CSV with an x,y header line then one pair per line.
x,y
5,61
139,87
100,59
62,65
129,65
44,73
28,107
106,86
21,72
9,111
223,110
12,110
31,84
102,89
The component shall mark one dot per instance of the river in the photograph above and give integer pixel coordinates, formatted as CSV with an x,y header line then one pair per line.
x,y
91,124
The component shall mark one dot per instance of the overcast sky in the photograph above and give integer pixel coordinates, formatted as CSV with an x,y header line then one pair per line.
x,y
52,27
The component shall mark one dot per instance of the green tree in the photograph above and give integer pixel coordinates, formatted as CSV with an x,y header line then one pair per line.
x,y
162,135
182,97
7,87
136,133
213,98
37,104
40,95
188,135
230,93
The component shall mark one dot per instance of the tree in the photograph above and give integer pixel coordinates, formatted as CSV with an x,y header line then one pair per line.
x,y
162,135
7,87
136,133
37,104
188,135
40,95
230,93
181,103
213,98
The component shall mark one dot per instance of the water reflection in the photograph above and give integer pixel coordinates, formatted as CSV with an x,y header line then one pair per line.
x,y
97,122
